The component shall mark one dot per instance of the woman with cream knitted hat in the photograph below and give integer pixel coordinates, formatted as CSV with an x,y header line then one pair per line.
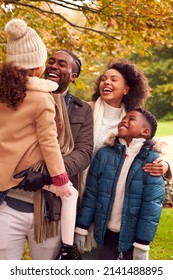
x,y
29,136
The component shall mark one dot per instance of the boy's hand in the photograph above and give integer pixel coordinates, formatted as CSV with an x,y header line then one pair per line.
x,y
79,240
139,254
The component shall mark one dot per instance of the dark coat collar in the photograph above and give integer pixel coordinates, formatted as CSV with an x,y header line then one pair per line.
x,y
76,100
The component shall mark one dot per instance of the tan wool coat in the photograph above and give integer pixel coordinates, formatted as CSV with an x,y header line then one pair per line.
x,y
29,134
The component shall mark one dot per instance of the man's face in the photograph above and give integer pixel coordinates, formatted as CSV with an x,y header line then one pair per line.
x,y
59,69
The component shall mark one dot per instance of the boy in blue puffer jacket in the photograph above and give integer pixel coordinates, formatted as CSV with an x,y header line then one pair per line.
x,y
122,200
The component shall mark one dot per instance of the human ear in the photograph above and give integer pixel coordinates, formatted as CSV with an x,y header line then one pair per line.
x,y
73,76
126,90
145,132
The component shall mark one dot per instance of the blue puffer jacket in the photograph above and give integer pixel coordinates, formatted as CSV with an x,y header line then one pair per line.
x,y
142,201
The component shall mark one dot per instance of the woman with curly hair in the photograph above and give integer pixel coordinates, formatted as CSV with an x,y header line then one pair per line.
x,y
29,136
121,88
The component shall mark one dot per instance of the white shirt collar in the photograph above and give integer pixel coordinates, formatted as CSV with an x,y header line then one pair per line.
x,y
134,146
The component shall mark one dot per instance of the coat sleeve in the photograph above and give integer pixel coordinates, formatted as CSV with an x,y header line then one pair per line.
x,y
89,202
80,157
47,135
153,195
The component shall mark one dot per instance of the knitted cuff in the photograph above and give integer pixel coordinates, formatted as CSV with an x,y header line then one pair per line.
x,y
81,231
60,180
141,246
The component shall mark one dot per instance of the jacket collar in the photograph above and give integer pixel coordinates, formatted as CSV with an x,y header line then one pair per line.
x,y
77,100
143,152
112,139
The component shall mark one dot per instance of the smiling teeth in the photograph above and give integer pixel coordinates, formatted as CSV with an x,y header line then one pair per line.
x,y
53,75
107,89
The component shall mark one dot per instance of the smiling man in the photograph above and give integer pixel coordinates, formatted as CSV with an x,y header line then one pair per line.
x,y
63,68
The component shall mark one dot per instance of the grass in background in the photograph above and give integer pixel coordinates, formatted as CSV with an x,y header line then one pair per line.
x,y
162,246
165,128
26,254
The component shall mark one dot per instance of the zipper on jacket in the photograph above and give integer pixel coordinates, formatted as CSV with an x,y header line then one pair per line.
x,y
121,161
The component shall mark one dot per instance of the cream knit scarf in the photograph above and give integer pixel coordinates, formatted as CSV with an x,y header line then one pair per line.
x,y
98,112
43,228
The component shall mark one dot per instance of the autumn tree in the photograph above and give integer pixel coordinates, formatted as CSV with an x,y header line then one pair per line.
x,y
159,70
95,30
117,27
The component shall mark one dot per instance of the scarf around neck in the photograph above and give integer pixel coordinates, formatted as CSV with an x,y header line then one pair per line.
x,y
98,114
43,228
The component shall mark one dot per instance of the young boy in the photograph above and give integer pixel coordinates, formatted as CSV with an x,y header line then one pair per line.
x,y
123,201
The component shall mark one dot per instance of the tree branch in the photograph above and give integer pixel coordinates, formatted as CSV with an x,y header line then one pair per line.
x,y
51,12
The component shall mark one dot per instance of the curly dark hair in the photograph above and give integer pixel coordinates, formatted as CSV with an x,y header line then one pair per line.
x,y
150,118
139,89
12,85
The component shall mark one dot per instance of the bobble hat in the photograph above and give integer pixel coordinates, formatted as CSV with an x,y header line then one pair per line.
x,y
24,46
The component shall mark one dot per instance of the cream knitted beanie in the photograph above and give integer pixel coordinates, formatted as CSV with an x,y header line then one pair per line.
x,y
24,46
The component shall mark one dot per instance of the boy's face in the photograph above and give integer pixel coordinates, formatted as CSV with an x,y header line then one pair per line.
x,y
133,125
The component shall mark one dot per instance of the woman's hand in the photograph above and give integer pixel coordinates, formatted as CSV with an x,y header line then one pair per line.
x,y
157,168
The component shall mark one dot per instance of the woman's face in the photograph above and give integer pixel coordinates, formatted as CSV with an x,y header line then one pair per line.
x,y
113,87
